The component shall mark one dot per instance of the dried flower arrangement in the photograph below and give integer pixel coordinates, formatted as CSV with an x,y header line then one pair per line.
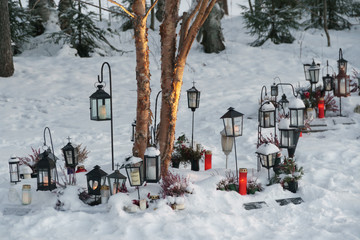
x,y
31,160
174,185
184,153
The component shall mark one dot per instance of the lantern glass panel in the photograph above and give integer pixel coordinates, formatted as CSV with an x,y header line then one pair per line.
x,y
296,118
267,119
287,138
306,71
104,112
314,74
14,172
193,99
93,107
134,176
233,126
151,167
328,82
268,161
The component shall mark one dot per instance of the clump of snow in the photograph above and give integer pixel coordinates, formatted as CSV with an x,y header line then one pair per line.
x,y
267,148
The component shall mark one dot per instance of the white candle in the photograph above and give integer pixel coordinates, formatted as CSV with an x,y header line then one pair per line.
x,y
151,173
143,204
26,194
102,112
46,181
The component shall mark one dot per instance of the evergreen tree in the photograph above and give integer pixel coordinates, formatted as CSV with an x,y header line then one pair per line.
x,y
272,20
21,25
80,31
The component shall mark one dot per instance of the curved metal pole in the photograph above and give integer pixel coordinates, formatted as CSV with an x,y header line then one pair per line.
x,y
52,146
295,95
111,111
155,126
261,96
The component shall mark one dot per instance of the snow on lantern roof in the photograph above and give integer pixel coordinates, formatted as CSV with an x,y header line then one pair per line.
x,y
296,103
24,169
152,152
284,123
13,159
133,160
268,106
267,149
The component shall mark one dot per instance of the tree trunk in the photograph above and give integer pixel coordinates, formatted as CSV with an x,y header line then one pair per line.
x,y
64,6
6,57
143,112
325,23
172,68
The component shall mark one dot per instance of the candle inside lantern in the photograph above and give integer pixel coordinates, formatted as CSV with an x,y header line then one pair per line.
x,y
95,185
242,181
46,181
151,173
102,112
26,194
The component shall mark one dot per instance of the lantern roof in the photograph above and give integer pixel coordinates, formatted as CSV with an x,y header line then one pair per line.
x,y
100,93
231,113
193,89
284,124
43,163
268,106
267,149
96,172
132,160
14,159
152,152
297,103
116,174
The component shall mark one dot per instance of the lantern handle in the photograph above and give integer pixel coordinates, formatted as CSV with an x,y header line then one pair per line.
x,y
52,146
327,68
261,95
294,93
340,54
97,84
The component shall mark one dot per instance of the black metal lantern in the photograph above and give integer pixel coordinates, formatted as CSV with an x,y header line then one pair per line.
x,y
95,179
342,63
267,152
289,137
133,168
267,115
233,123
100,105
133,128
14,169
116,182
71,155
193,97
283,102
152,165
328,82
297,111
274,90
46,172
314,72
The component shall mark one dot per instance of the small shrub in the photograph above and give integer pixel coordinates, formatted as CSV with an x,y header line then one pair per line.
x,y
229,183
174,185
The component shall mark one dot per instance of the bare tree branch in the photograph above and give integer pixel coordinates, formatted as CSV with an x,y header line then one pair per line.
x,y
147,14
123,8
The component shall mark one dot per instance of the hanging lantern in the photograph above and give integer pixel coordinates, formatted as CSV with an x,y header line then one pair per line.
x,y
133,168
14,169
71,155
296,108
100,105
133,128
193,96
328,82
152,165
116,182
46,169
233,123
267,115
314,72
95,179
243,181
342,63
283,103
342,85
306,71
274,90
288,136
267,152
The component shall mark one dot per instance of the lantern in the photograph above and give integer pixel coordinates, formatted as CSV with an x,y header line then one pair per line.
x,y
95,179
342,85
306,71
233,123
283,103
297,112
46,169
288,135
133,130
267,115
14,169
152,165
100,105
242,181
274,90
26,194
328,82
314,71
133,168
193,96
226,145
267,152
342,63
321,108
71,155
116,182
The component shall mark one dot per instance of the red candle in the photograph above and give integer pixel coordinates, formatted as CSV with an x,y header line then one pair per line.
x,y
242,181
321,108
208,160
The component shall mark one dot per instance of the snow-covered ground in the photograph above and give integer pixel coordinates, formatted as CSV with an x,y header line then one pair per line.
x,y
51,88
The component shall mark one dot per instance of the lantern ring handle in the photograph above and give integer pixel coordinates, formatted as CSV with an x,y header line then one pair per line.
x,y
327,68
103,84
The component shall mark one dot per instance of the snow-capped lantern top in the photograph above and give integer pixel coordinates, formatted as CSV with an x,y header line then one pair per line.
x,y
24,169
284,124
152,152
14,159
267,149
133,160
296,104
267,107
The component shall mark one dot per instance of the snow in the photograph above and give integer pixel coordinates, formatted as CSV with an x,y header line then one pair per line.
x,y
284,123
267,149
296,103
152,152
51,88
268,107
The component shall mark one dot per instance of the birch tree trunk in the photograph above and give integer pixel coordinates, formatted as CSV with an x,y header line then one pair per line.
x,y
6,57
172,67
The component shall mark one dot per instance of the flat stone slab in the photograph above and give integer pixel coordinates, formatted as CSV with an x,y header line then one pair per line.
x,y
16,211
343,121
328,123
286,201
255,205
